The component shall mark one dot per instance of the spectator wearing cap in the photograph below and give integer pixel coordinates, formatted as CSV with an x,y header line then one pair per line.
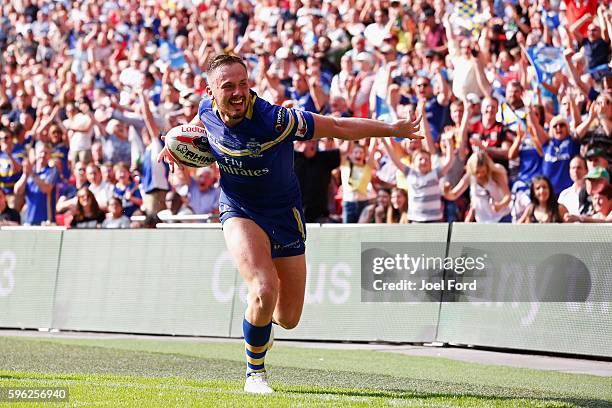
x,y
602,208
38,183
559,150
596,157
313,169
596,179
574,197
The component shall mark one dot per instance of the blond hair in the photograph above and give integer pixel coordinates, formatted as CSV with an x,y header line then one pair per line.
x,y
494,171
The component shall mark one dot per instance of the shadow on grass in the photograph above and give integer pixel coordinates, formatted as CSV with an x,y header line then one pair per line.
x,y
408,395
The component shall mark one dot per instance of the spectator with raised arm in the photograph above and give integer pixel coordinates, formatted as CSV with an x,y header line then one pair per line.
x,y
489,193
38,183
357,166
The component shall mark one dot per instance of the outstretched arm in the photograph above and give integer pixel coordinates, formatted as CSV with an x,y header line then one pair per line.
x,y
453,193
358,128
395,158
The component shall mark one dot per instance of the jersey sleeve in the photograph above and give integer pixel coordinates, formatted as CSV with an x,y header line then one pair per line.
x,y
294,124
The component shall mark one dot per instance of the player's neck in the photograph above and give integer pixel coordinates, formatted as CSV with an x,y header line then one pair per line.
x,y
229,121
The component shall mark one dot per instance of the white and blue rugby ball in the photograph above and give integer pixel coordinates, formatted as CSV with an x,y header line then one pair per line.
x,y
189,144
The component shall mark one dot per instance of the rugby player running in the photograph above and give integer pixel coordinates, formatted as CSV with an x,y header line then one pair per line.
x,y
260,205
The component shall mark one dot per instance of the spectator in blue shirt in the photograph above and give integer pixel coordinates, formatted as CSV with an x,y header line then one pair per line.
x,y
38,181
559,150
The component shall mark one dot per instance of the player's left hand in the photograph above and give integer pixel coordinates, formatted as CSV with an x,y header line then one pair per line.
x,y
169,158
407,129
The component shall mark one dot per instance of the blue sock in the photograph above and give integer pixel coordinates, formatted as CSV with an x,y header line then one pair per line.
x,y
256,345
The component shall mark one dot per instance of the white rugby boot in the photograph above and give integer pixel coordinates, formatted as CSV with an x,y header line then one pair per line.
x,y
257,383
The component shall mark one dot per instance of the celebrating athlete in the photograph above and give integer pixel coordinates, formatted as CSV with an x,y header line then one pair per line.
x,y
260,204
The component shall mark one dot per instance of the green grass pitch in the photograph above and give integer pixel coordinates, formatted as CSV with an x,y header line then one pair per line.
x,y
184,373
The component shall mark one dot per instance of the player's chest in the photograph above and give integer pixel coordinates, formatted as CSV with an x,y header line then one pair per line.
x,y
242,144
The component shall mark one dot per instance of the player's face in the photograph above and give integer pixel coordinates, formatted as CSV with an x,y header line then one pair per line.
x,y
229,88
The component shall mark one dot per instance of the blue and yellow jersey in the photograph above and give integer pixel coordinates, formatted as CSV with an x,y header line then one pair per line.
x,y
8,176
255,156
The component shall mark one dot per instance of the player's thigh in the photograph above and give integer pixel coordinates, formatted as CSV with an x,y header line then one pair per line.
x,y
292,278
249,247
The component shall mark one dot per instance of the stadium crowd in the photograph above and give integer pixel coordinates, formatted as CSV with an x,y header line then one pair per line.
x,y
515,99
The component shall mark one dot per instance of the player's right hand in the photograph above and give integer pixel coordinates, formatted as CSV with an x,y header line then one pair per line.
x,y
408,129
167,156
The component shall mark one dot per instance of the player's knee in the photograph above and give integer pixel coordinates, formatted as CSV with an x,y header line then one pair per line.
x,y
265,293
288,321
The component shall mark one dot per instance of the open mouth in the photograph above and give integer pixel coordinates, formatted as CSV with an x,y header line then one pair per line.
x,y
237,102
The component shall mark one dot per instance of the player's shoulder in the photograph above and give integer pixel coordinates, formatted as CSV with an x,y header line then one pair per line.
x,y
206,105
270,115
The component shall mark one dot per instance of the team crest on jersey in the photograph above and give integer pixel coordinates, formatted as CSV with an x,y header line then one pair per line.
x,y
254,148
281,120
302,127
